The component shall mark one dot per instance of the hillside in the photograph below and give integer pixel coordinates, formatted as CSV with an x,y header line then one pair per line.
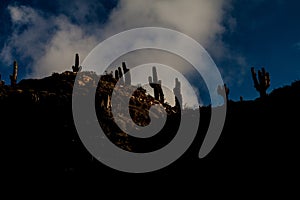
x,y
260,136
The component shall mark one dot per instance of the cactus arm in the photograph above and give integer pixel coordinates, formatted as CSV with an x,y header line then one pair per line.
x,y
156,85
256,84
263,82
126,72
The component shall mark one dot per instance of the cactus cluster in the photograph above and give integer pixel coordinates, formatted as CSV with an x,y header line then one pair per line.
x,y
119,75
76,68
156,85
262,82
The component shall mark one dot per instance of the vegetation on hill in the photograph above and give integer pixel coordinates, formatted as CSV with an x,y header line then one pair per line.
x,y
39,133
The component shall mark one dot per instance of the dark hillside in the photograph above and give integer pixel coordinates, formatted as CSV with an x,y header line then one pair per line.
x,y
260,137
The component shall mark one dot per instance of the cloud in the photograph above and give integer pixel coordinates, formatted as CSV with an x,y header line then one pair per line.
x,y
200,19
60,50
47,41
50,39
297,45
26,38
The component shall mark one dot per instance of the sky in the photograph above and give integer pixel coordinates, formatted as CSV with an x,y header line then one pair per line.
x,y
43,36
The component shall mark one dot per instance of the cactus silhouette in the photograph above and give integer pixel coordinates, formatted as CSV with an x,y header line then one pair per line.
x,y
241,99
226,90
127,74
13,77
76,68
1,81
117,74
156,85
121,76
177,92
262,82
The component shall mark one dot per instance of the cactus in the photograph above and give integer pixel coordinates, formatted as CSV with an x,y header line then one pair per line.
x,y
117,74
177,92
225,89
1,81
76,68
120,76
127,74
14,76
156,85
241,99
262,82
155,77
110,75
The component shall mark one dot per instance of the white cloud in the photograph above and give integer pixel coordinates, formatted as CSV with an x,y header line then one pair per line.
x,y
23,40
200,19
59,53
21,14
51,40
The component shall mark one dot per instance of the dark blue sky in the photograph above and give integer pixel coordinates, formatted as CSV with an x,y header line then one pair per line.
x,y
265,33
268,34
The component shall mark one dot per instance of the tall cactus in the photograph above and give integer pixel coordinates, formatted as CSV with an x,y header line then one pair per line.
x,y
241,98
262,82
127,74
14,76
1,81
117,74
76,68
177,92
226,91
223,90
156,85
121,76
